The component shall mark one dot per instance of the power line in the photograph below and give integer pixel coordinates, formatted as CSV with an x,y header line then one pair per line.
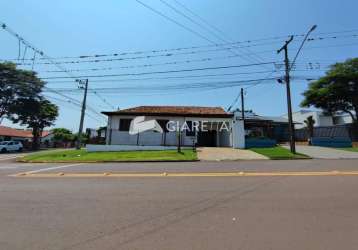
x,y
164,72
206,59
173,77
251,42
195,85
174,21
73,104
214,28
37,51
140,57
200,25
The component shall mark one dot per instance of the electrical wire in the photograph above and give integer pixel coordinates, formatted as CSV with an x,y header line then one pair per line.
x,y
163,72
37,51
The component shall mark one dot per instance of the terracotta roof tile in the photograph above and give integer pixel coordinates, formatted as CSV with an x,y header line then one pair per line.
x,y
172,110
13,132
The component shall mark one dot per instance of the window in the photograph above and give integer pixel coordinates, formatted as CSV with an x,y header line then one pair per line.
x,y
191,130
163,125
124,124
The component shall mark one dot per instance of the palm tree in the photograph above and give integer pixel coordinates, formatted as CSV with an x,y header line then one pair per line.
x,y
310,126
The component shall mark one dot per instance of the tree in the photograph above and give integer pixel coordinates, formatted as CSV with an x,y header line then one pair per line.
x,y
16,86
337,91
36,114
62,135
310,126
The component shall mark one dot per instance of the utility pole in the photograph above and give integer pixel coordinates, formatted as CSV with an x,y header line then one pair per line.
x,y
288,68
242,105
291,128
83,110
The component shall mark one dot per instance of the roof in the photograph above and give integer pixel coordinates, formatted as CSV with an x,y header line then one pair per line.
x,y
13,132
188,111
251,116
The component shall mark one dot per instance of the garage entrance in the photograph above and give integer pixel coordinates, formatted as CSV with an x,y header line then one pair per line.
x,y
207,138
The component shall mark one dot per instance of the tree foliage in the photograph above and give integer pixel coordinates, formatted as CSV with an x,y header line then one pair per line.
x,y
16,87
36,114
336,91
62,135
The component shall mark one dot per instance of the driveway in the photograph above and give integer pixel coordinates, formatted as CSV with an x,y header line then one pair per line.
x,y
227,154
325,153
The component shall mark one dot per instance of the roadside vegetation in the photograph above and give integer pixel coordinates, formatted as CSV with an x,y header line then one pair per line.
x,y
354,149
279,153
84,156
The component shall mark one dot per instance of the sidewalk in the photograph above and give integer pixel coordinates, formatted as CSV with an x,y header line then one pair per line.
x,y
324,152
227,154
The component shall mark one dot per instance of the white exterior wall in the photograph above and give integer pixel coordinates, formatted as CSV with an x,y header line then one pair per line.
x,y
321,120
116,137
238,133
343,119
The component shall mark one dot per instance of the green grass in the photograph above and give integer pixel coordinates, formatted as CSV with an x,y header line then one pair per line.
x,y
84,156
279,153
354,149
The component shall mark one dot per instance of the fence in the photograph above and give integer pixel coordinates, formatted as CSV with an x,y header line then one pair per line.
x,y
324,132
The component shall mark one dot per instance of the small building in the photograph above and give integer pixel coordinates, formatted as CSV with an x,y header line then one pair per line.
x,y
321,119
221,129
274,128
22,135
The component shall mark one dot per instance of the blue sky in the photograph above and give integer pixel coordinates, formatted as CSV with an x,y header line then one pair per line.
x,y
74,28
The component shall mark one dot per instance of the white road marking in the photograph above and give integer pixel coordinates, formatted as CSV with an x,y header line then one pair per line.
x,y
58,167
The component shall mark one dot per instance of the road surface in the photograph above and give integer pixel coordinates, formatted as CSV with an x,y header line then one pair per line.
x,y
270,212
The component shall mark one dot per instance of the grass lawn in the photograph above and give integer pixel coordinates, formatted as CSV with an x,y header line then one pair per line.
x,y
279,153
354,149
84,156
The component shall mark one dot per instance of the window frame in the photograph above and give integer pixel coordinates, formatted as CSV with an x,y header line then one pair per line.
x,y
124,124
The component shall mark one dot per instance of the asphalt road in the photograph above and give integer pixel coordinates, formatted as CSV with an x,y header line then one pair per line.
x,y
296,212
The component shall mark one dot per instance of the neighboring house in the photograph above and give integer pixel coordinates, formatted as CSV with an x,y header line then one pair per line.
x,y
23,135
214,117
321,119
91,133
47,139
256,126
341,118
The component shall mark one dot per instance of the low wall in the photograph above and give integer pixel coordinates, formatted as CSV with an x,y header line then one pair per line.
x,y
260,143
109,148
332,142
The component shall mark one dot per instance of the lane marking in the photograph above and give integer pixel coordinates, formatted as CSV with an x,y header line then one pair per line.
x,y
165,174
47,169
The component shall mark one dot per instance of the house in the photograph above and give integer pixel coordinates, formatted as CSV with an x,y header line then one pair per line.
x,y
321,119
342,118
23,135
271,127
202,126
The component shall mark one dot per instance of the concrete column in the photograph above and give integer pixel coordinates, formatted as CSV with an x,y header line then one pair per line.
x,y
238,134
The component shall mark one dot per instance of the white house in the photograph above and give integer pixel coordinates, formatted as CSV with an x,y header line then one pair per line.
x,y
321,119
208,126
